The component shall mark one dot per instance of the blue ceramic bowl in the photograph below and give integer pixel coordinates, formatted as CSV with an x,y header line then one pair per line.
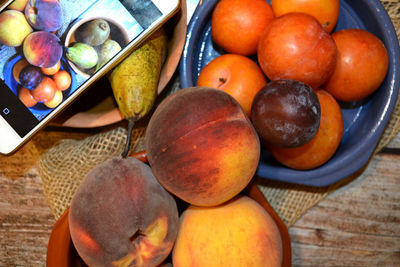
x,y
364,122
39,110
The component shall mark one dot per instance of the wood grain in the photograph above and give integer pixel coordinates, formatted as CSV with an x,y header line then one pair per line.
x,y
356,225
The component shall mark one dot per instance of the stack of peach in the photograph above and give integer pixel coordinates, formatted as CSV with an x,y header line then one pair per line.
x,y
203,143
202,152
31,24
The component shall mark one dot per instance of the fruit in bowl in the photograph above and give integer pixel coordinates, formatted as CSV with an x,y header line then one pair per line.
x,y
364,120
237,25
236,233
94,32
295,46
18,5
286,113
201,146
13,28
82,55
30,77
362,65
326,12
92,41
44,15
322,146
42,49
237,75
121,215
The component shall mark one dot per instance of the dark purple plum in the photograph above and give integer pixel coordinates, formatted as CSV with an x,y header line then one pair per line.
x,y
30,77
286,113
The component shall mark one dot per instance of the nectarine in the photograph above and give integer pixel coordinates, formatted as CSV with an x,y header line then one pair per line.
x,y
45,91
201,146
62,79
26,97
326,12
237,75
361,66
295,46
236,25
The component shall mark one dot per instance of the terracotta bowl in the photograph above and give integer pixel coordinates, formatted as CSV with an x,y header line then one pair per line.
x,y
96,106
62,253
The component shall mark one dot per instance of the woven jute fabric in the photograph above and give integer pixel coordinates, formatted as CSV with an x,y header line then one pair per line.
x,y
64,166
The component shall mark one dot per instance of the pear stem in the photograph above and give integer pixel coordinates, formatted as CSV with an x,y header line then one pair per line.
x,y
131,124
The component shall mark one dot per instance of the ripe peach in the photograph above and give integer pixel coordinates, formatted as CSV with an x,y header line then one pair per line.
x,y
44,15
361,66
295,46
42,49
18,5
324,144
326,12
236,25
237,75
121,216
13,28
237,233
201,146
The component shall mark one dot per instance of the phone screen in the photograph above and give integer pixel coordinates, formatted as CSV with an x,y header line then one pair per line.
x,y
67,45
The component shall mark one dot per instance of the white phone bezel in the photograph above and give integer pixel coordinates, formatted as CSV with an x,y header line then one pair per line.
x,y
10,141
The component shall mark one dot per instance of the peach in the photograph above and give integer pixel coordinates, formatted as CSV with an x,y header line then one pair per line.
x,y
201,146
121,216
239,233
42,49
18,5
13,28
44,15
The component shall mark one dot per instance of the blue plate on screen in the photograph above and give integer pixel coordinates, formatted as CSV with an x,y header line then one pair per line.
x,y
364,123
39,110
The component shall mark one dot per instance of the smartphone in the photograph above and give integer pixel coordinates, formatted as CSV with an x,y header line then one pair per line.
x,y
51,51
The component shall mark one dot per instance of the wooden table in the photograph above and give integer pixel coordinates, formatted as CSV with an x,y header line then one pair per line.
x,y
357,225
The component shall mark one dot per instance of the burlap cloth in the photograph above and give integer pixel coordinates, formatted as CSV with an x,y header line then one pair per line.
x,y
63,167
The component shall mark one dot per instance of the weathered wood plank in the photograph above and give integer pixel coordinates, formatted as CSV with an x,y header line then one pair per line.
x,y
356,225
25,221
